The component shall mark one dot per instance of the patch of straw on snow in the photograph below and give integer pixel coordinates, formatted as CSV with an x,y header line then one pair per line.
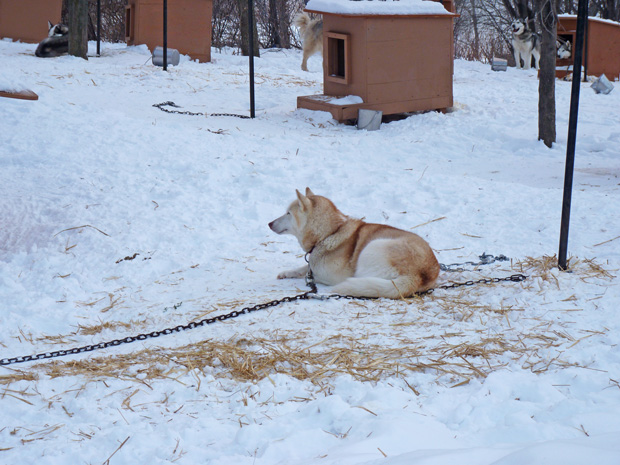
x,y
546,267
453,334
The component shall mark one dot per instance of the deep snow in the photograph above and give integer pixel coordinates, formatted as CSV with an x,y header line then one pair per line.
x,y
91,173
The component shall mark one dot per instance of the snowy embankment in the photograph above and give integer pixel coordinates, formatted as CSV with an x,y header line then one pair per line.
x,y
117,219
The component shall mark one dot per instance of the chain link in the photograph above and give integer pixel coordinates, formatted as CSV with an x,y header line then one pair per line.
x,y
311,294
163,332
485,259
515,278
191,113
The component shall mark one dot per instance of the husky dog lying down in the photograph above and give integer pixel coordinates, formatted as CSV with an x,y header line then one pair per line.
x,y
356,258
56,43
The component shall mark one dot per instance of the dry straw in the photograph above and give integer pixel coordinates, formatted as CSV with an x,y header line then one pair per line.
x,y
452,334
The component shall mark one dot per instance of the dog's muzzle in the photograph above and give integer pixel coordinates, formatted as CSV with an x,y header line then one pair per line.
x,y
275,228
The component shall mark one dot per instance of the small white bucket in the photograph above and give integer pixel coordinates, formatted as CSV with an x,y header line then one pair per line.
x,y
499,64
173,56
369,119
602,85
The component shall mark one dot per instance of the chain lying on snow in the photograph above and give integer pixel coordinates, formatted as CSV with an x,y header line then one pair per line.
x,y
191,113
485,259
311,294
163,332
515,278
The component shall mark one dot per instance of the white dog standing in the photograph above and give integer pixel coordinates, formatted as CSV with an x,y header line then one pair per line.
x,y
525,44
311,33
356,258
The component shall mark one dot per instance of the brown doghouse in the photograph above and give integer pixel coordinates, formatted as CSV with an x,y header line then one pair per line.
x,y
396,56
601,47
189,26
26,20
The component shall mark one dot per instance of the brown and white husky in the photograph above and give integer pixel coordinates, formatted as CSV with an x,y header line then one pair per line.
x,y
356,258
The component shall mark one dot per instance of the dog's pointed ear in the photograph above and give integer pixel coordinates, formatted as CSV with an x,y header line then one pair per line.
x,y
304,202
309,192
49,24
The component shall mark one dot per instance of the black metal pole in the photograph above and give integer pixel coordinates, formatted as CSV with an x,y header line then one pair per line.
x,y
582,17
98,28
251,43
165,35
585,48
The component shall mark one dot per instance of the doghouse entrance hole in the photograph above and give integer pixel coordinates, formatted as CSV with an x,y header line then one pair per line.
x,y
338,57
129,26
566,38
569,38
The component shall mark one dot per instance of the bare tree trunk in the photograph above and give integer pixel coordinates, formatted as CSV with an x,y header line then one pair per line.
x,y
274,28
78,28
510,8
612,10
285,23
546,82
474,20
243,24
520,9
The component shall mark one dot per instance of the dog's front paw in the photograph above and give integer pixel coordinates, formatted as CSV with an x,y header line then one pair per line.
x,y
293,274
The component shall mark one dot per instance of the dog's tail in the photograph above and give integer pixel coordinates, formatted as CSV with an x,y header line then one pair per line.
x,y
403,286
302,20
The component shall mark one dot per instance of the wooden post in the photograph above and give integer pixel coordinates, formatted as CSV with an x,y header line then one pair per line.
x,y
546,80
78,28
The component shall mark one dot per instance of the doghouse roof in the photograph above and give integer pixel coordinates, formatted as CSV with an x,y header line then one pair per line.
x,y
592,18
371,8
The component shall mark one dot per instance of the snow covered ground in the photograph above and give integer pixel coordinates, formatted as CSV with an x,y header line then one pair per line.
x,y
92,173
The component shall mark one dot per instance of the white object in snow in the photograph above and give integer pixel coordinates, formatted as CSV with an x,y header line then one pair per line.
x,y
369,119
602,85
172,57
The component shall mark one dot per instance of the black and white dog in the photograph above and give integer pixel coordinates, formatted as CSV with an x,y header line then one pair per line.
x,y
525,44
56,43
564,49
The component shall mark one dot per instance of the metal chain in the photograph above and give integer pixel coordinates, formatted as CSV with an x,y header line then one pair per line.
x,y
515,278
311,294
172,104
485,259
142,337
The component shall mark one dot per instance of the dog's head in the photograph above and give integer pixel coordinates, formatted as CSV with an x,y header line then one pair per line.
x,y
564,49
518,26
296,216
310,219
57,30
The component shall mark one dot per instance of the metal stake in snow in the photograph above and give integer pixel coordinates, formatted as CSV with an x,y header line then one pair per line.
x,y
572,133
251,54
165,35
98,28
